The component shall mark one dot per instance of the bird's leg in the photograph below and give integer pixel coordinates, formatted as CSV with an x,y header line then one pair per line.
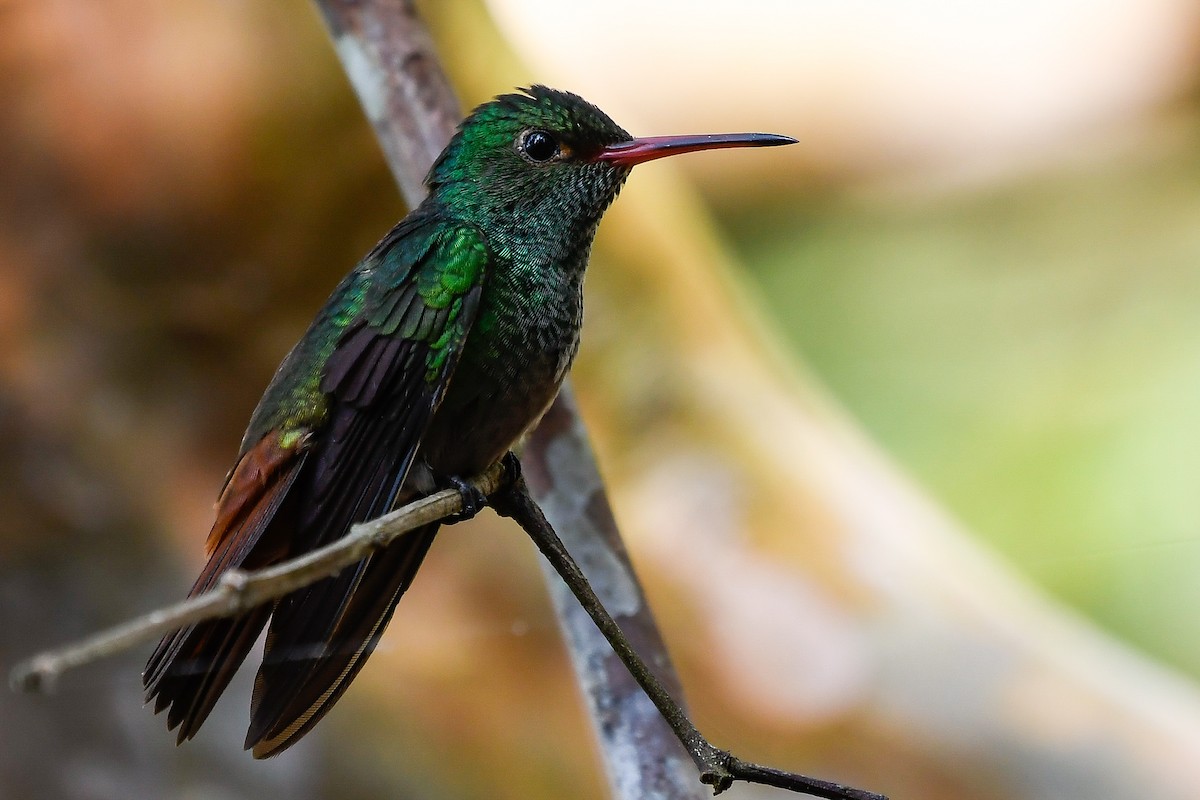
x,y
718,768
512,472
473,500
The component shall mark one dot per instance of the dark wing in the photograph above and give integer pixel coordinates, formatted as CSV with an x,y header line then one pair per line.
x,y
327,448
385,378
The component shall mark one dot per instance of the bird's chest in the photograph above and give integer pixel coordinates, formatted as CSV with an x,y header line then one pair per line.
x,y
527,330
518,351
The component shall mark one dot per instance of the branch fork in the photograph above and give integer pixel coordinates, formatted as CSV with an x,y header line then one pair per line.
x,y
237,591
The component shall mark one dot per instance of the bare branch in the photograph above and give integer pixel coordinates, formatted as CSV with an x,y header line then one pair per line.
x,y
390,60
238,591
641,753
718,768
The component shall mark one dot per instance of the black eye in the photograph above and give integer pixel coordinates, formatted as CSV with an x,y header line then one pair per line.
x,y
539,146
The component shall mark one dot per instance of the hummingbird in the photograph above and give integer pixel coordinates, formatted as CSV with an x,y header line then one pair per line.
x,y
427,364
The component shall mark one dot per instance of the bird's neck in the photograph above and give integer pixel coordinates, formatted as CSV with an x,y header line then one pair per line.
x,y
556,243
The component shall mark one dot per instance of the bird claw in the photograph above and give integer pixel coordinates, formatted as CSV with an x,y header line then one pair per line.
x,y
512,470
473,500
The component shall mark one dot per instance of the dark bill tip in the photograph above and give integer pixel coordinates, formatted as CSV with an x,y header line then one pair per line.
x,y
637,151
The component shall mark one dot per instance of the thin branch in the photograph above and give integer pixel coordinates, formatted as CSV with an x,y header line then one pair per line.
x,y
642,754
238,591
718,768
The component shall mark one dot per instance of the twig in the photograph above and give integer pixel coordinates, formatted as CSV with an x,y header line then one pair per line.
x,y
642,755
718,768
238,591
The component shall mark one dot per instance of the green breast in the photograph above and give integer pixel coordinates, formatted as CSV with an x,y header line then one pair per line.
x,y
514,359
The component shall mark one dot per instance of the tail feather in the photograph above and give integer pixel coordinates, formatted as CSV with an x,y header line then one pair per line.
x,y
192,686
304,673
191,667
320,636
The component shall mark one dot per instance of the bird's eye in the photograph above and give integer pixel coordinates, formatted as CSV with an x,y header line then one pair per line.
x,y
539,146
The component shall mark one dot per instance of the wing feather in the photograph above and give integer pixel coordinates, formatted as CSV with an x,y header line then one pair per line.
x,y
382,395
387,344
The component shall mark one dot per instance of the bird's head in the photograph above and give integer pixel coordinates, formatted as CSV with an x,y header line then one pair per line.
x,y
539,168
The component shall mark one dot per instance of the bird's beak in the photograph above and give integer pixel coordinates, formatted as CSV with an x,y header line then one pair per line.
x,y
637,151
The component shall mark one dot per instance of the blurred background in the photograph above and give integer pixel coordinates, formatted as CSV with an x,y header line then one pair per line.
x,y
980,261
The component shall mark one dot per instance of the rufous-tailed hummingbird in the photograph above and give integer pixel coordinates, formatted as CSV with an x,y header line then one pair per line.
x,y
428,362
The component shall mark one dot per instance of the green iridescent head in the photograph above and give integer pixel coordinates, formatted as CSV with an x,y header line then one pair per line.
x,y
524,167
535,171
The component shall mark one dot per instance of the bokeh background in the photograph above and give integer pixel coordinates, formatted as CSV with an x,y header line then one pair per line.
x,y
983,252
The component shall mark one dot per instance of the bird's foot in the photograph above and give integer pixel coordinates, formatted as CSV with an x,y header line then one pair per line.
x,y
512,470
512,493
473,500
